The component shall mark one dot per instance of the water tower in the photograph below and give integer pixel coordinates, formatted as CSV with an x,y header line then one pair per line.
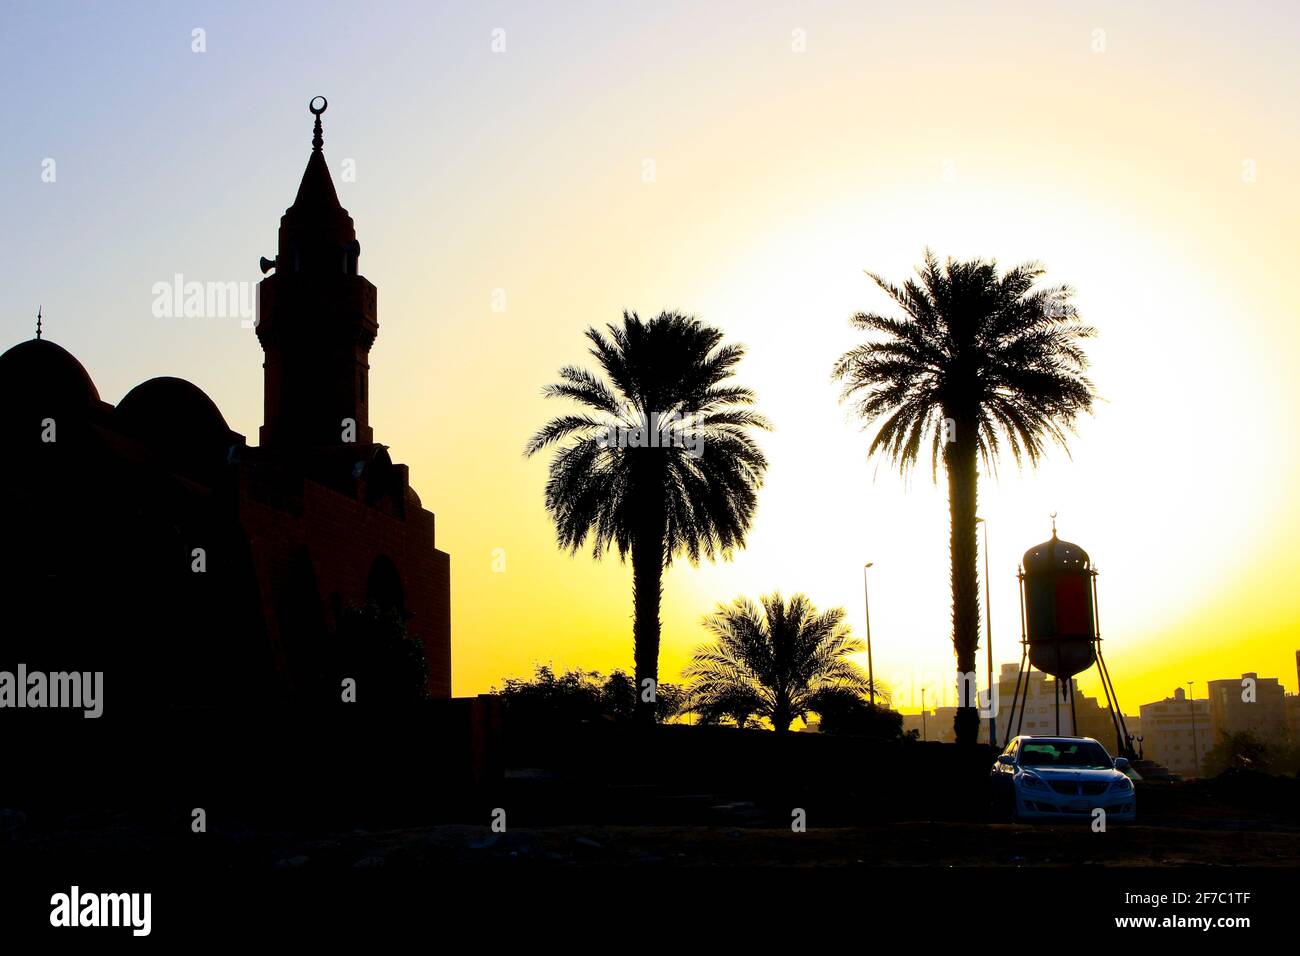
x,y
1059,630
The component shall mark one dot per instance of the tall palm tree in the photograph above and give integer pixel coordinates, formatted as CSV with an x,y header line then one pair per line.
x,y
776,661
660,463
976,361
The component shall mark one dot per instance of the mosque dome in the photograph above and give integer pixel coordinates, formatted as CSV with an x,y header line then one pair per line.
x,y
176,418
38,372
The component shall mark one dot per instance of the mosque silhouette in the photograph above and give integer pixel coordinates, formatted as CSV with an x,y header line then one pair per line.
x,y
149,541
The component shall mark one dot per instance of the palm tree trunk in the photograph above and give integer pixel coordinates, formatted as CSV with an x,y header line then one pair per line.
x,y
647,591
963,478
781,718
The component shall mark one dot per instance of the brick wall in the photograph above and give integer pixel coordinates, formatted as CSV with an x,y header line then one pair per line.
x,y
343,538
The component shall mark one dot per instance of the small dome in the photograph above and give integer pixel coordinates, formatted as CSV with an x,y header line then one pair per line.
x,y
412,499
38,371
1056,555
175,417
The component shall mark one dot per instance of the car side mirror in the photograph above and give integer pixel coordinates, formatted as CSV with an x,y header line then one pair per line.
x,y
1122,764
1006,760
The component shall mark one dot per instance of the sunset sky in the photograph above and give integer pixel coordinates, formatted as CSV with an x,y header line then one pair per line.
x,y
1148,157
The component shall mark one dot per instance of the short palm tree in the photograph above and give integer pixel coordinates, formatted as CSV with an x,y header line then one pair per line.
x,y
977,361
776,661
659,464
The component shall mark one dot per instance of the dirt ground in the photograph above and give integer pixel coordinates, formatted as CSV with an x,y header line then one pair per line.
x,y
1246,822
900,843
892,844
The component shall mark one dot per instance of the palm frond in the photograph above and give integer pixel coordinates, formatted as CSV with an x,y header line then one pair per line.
x,y
776,655
1001,351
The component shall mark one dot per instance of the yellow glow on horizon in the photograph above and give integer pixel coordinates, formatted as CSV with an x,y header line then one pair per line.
x,y
761,221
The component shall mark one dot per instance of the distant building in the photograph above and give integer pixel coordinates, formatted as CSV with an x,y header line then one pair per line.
x,y
1176,732
929,726
942,725
1039,701
1249,704
1134,725
1039,705
1292,706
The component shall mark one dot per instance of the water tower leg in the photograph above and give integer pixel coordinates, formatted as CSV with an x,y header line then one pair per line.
x,y
1015,696
1057,676
1112,704
1074,722
1057,699
1112,698
1024,702
1116,715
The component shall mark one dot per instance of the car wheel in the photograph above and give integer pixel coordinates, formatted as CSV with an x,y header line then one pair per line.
x,y
1012,811
1002,806
997,807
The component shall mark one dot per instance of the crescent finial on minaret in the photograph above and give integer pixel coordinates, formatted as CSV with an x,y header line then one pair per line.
x,y
318,138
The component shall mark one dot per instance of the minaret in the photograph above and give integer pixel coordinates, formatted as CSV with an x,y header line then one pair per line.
x,y
316,320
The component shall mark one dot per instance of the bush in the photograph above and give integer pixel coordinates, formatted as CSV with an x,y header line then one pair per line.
x,y
577,696
375,649
1240,751
845,714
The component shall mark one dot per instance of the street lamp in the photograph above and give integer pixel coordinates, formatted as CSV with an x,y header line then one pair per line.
x,y
988,632
866,599
923,737
1191,702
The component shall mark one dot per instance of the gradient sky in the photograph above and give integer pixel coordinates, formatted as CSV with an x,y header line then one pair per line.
x,y
780,177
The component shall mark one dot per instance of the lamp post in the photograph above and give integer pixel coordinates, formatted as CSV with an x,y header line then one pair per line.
x,y
988,633
866,600
1191,702
923,737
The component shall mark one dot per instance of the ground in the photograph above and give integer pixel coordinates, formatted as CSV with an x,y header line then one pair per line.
x,y
901,844
1180,825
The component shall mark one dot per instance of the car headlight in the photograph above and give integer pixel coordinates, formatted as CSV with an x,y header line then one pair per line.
x,y
1030,782
1123,783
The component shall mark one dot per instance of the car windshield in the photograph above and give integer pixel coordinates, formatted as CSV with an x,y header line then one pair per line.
x,y
1064,753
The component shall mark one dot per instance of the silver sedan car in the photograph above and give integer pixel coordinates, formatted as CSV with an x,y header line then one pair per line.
x,y
1062,778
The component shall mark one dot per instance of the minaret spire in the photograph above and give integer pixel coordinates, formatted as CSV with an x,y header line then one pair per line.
x,y
318,136
317,318
38,321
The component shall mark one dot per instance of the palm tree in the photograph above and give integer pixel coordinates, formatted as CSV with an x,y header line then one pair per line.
x,y
976,361
659,464
777,661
